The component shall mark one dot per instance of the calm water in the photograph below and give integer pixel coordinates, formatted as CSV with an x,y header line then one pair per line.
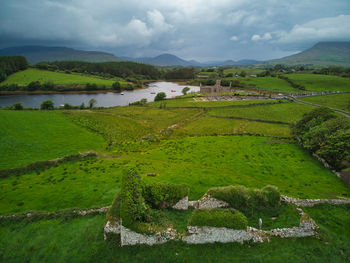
x,y
103,99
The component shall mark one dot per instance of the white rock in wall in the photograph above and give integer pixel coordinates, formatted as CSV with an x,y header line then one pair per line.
x,y
112,227
182,204
130,238
208,202
207,234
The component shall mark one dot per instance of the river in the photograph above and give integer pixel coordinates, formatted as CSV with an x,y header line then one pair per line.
x,y
109,99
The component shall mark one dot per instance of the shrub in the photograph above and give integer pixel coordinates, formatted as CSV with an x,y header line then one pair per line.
x,y
161,195
47,105
236,196
117,86
133,207
160,96
113,213
242,198
272,194
229,218
18,106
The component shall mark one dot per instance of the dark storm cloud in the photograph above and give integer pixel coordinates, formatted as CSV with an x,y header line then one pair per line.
x,y
200,29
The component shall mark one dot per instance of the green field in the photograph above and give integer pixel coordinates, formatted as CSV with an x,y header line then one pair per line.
x,y
315,82
336,101
197,102
249,71
178,145
199,162
285,112
81,240
30,136
268,83
23,78
207,125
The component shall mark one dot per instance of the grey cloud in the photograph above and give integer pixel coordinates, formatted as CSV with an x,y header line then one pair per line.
x,y
199,29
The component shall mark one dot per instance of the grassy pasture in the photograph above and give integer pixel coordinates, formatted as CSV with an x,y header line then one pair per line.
x,y
122,125
249,71
336,101
197,102
29,136
316,82
81,240
24,77
268,83
199,162
207,125
286,112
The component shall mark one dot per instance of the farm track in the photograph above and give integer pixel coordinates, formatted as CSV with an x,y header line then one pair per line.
x,y
344,113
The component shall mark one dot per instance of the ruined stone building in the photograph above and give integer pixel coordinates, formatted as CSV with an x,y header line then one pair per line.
x,y
217,88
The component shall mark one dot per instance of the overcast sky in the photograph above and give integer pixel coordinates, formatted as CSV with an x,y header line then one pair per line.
x,y
192,29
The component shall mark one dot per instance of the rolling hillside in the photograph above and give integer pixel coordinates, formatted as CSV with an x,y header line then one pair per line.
x,y
321,54
35,54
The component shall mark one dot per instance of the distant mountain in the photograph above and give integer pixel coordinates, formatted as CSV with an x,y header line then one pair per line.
x,y
35,54
164,60
321,54
172,60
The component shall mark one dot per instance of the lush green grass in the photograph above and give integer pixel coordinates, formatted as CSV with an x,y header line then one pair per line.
x,y
23,78
29,136
198,102
81,240
199,162
207,125
249,71
336,101
268,83
122,125
286,112
316,82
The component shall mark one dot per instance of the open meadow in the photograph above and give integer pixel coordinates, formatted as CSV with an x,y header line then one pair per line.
x,y
198,143
336,101
23,78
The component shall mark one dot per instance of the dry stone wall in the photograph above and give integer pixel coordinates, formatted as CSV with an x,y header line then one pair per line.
x,y
312,202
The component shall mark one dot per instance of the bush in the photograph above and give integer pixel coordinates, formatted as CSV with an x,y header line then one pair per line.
x,y
242,198
229,218
162,195
236,196
34,85
160,96
47,105
18,106
117,86
133,207
113,213
273,195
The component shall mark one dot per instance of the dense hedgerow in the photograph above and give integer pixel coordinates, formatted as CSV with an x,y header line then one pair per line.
x,y
161,195
229,218
133,207
240,197
113,212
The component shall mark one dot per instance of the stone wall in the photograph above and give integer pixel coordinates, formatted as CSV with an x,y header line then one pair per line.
x,y
312,202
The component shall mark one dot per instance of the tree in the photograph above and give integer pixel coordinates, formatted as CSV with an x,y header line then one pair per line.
x,y
185,90
92,103
116,86
160,96
34,85
47,105
336,148
243,73
18,106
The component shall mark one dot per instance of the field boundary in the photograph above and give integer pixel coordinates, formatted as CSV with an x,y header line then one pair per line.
x,y
67,213
249,119
43,165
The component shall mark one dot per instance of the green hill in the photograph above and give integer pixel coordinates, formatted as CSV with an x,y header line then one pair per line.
x,y
35,54
321,54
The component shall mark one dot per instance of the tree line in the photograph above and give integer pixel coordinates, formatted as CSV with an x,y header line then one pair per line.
x,y
326,134
10,65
